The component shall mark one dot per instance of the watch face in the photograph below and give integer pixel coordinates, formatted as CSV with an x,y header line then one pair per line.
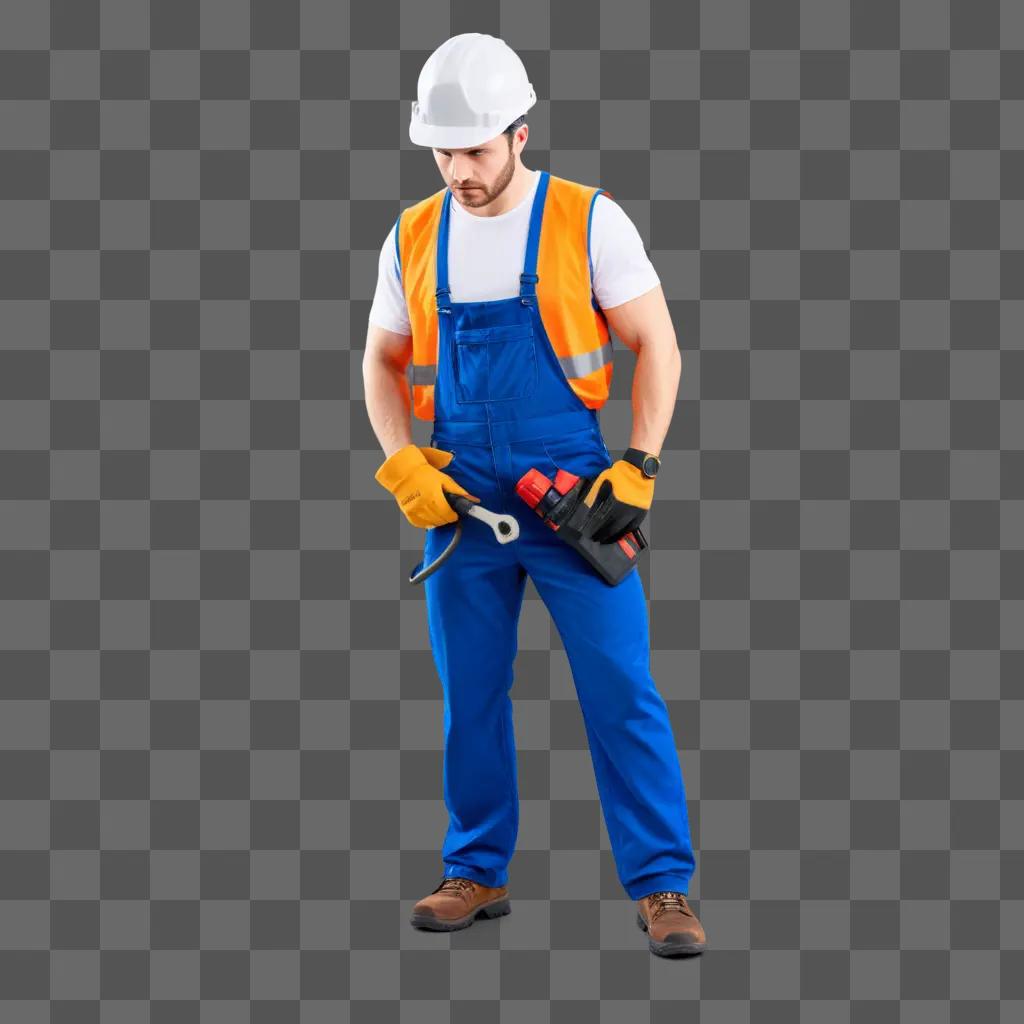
x,y
651,465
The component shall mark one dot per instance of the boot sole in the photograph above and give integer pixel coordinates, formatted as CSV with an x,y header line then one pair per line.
x,y
497,908
668,948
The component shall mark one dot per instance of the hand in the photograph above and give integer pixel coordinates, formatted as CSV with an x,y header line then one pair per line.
x,y
620,497
413,475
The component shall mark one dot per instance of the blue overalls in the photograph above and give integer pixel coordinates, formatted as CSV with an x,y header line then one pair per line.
x,y
502,404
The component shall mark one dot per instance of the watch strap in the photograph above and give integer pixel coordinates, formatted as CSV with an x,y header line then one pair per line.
x,y
636,457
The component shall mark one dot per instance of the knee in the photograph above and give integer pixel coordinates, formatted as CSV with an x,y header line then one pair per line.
x,y
615,685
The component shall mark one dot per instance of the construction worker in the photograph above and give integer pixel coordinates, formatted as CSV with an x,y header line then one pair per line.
x,y
495,296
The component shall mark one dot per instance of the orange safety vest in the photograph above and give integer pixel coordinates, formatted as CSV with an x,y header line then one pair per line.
x,y
566,302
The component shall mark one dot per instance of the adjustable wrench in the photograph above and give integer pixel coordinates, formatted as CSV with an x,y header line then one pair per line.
x,y
506,528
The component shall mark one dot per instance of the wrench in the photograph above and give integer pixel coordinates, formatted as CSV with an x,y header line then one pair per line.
x,y
506,528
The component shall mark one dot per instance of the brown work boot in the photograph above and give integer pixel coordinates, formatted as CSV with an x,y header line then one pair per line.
x,y
457,903
672,927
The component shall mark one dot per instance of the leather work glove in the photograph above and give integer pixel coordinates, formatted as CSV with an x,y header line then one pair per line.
x,y
413,475
620,497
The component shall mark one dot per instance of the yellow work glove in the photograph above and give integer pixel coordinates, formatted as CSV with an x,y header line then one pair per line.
x,y
413,475
620,497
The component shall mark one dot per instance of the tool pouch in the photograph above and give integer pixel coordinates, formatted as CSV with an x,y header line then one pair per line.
x,y
560,504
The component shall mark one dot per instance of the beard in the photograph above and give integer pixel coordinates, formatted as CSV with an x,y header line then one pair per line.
x,y
481,195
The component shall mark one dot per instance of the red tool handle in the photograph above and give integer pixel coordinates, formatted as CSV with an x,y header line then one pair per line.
x,y
533,485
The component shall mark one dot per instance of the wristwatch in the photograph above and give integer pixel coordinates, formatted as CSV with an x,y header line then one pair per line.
x,y
647,464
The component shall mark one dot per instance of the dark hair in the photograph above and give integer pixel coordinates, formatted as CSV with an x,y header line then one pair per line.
x,y
513,128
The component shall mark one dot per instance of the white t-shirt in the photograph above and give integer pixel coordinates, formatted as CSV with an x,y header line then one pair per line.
x,y
486,254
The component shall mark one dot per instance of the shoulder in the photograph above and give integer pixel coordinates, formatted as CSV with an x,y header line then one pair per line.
x,y
609,215
612,230
572,198
592,202
621,267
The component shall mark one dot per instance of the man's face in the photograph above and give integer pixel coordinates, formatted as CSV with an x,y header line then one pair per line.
x,y
479,175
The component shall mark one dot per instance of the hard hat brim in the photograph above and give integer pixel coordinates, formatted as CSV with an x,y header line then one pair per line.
x,y
461,136
454,138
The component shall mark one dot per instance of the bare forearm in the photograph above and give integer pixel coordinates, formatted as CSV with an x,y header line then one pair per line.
x,y
655,386
388,404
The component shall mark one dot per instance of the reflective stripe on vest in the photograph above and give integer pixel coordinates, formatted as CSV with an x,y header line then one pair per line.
x,y
572,366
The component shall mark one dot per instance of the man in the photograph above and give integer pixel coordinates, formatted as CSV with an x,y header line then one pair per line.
x,y
501,288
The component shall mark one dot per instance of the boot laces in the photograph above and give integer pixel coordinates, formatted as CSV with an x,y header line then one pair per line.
x,y
661,901
455,884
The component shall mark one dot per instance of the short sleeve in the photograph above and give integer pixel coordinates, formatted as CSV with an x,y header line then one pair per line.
x,y
389,309
622,268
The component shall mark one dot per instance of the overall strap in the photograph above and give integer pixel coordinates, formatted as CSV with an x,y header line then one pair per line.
x,y
528,278
443,294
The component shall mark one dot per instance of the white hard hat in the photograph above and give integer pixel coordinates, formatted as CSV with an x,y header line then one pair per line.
x,y
471,88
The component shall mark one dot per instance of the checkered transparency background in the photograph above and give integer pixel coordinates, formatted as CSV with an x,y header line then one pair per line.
x,y
221,725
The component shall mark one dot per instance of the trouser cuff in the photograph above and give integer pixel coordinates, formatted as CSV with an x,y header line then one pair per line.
x,y
491,878
658,883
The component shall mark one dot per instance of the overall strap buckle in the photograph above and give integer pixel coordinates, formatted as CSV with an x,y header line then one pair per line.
x,y
528,288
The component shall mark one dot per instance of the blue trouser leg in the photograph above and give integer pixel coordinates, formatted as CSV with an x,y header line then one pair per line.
x,y
604,630
473,606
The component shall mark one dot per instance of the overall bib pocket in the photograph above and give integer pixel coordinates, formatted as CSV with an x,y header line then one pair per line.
x,y
495,364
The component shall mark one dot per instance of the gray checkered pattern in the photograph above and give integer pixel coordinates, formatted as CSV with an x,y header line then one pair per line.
x,y
220,728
